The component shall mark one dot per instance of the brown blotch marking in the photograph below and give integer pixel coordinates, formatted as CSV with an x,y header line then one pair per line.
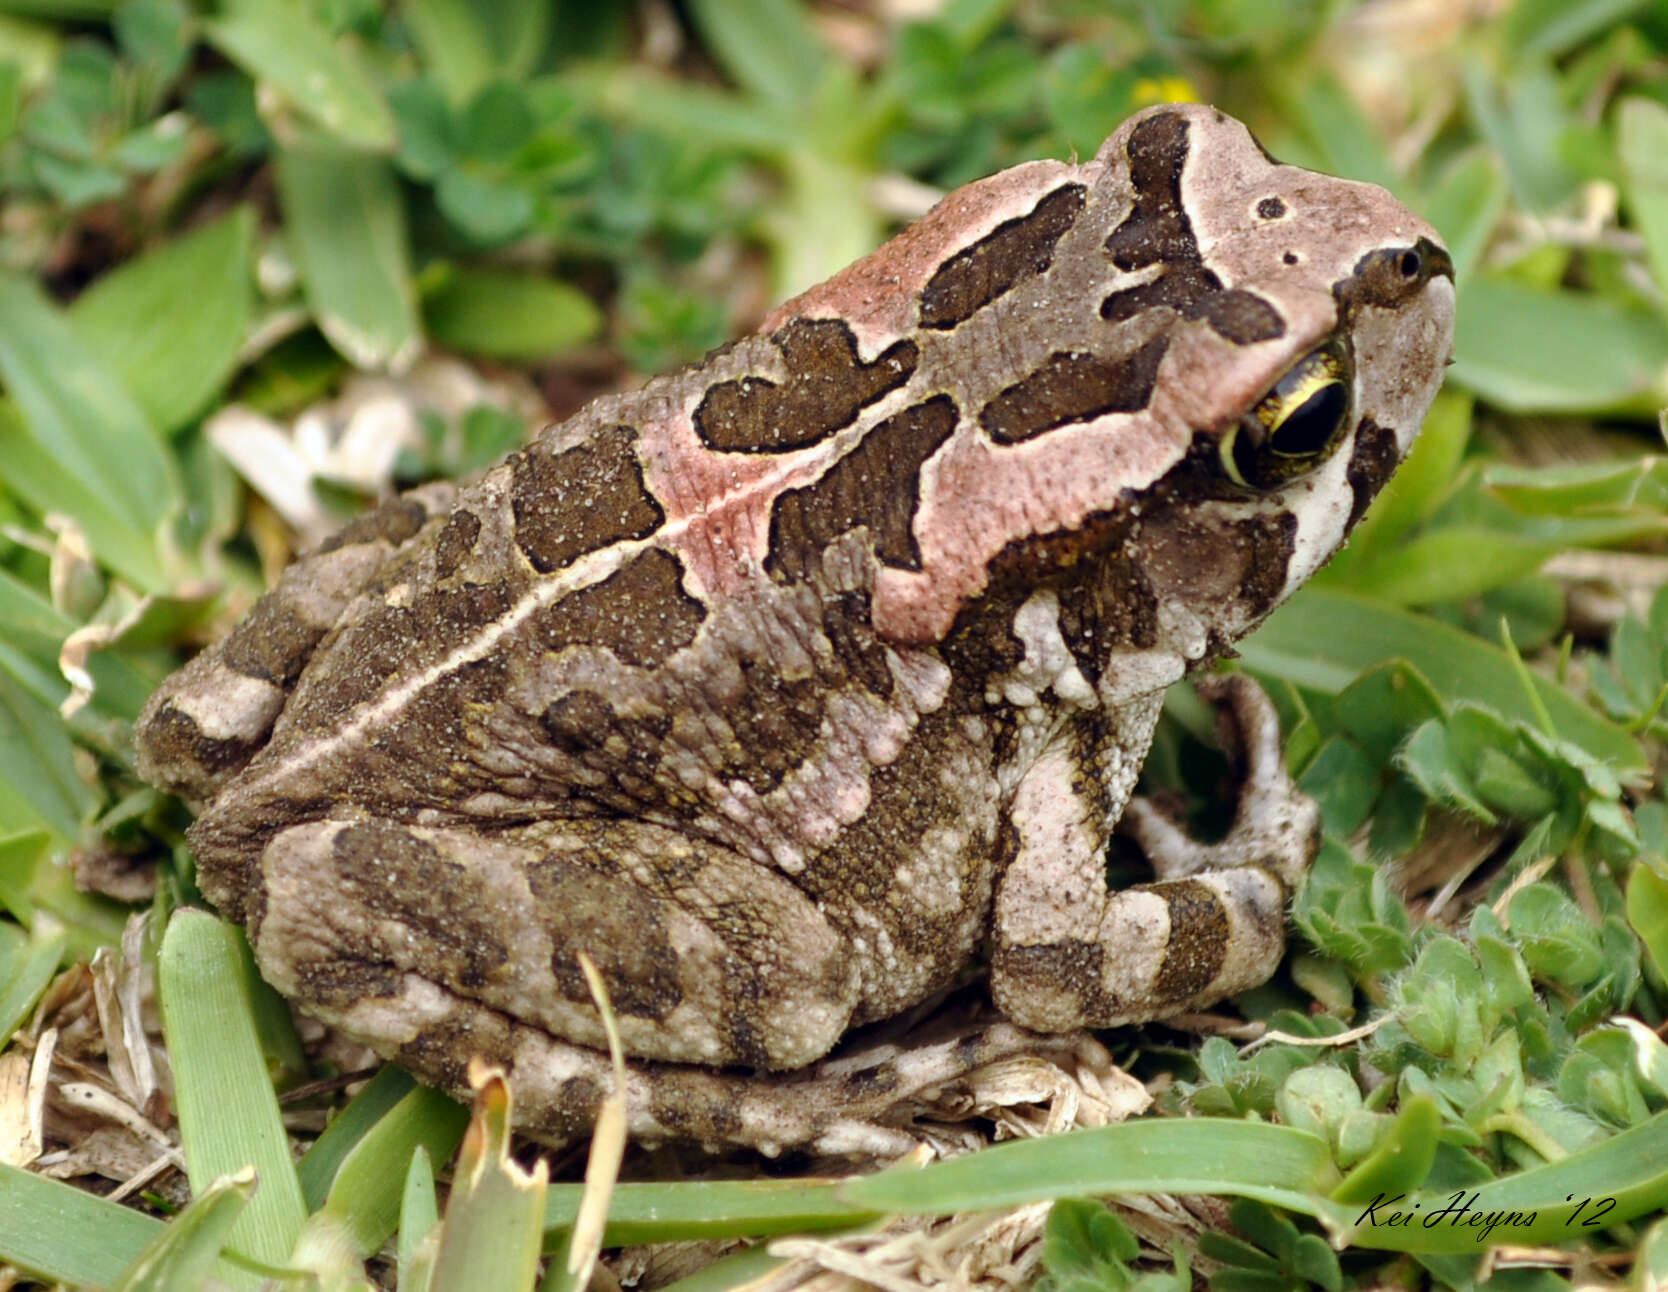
x,y
391,522
395,641
625,752
402,877
1110,607
1070,386
869,1083
1042,970
827,386
1242,317
570,503
569,1115
273,643
340,984
695,1103
1372,461
847,619
172,736
617,925
454,542
1158,232
777,723
1198,939
640,612
1271,208
908,798
876,485
440,1053
981,644
1271,540
1015,250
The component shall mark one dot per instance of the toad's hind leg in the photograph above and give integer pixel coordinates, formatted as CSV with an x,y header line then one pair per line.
x,y
206,721
400,933
1070,954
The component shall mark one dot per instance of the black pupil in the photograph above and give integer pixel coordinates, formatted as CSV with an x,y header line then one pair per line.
x,y
1410,264
1311,426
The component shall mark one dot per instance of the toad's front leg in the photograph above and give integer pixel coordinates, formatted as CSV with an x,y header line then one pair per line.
x,y
1071,954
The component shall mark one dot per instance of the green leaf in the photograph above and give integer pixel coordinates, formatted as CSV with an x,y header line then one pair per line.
x,y
81,438
1643,141
174,371
153,34
496,122
1450,564
1531,350
509,316
227,1111
767,46
488,209
456,48
1432,763
282,43
1324,638
1082,1239
1647,911
345,219
67,1235
1402,1158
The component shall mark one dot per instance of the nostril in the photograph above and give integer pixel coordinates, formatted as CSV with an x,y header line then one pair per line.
x,y
1411,263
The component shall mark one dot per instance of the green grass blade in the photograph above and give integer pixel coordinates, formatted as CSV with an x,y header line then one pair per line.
x,y
1323,639
419,1214
63,1234
33,623
282,43
33,472
653,1213
28,980
491,1237
346,225
82,422
185,1253
1274,1164
174,371
366,1196
39,783
1629,1168
1643,142
318,1166
228,1114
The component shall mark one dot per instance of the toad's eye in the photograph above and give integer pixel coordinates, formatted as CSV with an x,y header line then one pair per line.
x,y
1295,425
